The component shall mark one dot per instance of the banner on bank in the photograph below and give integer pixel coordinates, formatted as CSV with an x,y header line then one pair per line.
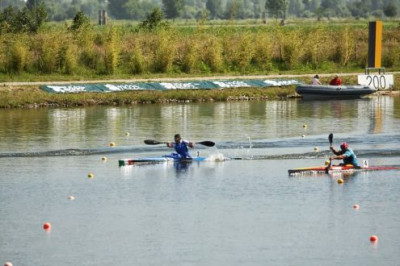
x,y
187,85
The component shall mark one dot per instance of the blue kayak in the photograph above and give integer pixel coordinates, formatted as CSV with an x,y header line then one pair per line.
x,y
162,159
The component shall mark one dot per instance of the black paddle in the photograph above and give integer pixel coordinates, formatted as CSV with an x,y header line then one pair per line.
x,y
155,142
330,138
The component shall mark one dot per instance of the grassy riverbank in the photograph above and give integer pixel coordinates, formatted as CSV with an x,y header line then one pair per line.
x,y
33,97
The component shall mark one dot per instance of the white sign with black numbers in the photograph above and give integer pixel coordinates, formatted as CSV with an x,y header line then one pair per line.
x,y
379,82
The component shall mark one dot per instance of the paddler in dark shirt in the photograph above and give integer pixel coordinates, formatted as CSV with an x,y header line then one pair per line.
x,y
345,154
181,147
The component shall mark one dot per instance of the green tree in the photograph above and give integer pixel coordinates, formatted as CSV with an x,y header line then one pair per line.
x,y
117,9
277,8
31,4
390,10
214,7
232,9
13,3
336,8
296,7
80,21
154,20
360,9
257,8
137,9
172,8
37,16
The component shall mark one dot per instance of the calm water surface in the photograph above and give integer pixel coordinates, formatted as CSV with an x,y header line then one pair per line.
x,y
236,212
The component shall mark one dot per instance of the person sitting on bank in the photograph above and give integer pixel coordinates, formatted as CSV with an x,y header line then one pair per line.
x,y
336,81
181,147
346,154
316,81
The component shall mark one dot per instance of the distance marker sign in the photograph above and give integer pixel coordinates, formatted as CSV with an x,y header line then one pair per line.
x,y
379,82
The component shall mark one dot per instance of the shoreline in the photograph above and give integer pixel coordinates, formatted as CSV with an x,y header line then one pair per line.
x,y
28,95
166,79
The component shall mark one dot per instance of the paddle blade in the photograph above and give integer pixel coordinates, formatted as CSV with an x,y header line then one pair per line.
x,y
207,143
330,138
153,142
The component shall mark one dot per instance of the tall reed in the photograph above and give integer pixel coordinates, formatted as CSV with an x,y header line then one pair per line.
x,y
164,52
16,56
189,54
212,54
119,50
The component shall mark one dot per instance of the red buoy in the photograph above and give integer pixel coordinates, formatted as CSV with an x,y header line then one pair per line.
x,y
373,238
46,226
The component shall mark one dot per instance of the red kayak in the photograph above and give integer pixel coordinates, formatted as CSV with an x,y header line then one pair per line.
x,y
339,169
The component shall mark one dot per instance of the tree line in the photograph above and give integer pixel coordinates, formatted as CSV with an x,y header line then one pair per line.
x,y
212,9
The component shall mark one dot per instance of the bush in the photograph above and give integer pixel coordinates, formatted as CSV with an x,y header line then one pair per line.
x,y
190,57
212,54
164,53
80,21
17,58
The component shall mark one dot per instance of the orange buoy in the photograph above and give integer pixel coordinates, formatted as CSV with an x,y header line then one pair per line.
x,y
47,226
373,238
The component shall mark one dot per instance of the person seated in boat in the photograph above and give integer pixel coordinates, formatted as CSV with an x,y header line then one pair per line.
x,y
336,81
346,154
316,81
181,147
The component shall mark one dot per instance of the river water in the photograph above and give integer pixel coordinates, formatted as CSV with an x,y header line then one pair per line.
x,y
233,212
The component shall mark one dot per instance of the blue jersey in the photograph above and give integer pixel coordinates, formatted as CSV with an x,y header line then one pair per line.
x,y
182,149
351,158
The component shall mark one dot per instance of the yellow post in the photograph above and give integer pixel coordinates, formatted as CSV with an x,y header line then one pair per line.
x,y
375,44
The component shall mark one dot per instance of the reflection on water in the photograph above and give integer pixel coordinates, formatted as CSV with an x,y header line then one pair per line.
x,y
52,129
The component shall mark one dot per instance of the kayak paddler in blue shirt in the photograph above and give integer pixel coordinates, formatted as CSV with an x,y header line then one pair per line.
x,y
346,154
181,147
